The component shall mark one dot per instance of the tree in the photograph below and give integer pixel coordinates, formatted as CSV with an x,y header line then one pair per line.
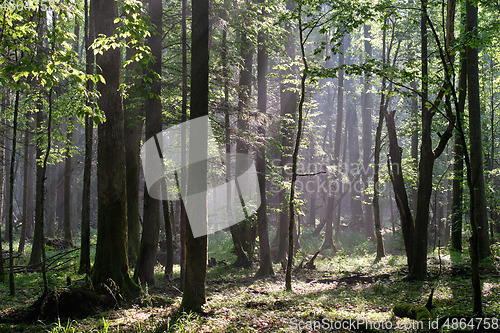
x,y
151,227
243,233
266,265
111,175
193,296
479,216
10,217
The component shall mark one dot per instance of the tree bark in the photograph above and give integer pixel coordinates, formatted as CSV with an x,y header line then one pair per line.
x,y
151,227
68,237
476,144
366,119
458,164
3,105
27,185
266,265
89,134
288,108
112,196
194,296
243,232
10,225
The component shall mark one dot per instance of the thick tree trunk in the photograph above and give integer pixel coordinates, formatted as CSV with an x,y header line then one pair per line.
x,y
194,296
111,261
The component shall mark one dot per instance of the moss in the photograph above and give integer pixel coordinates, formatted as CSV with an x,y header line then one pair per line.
x,y
411,311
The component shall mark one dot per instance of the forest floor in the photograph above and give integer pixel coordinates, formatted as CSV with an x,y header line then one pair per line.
x,y
344,290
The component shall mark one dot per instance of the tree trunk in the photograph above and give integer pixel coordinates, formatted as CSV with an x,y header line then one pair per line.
x,y
288,107
112,196
89,134
366,119
10,216
298,138
266,265
36,249
476,144
27,188
458,164
242,233
183,217
194,297
328,242
150,232
68,237
169,255
3,105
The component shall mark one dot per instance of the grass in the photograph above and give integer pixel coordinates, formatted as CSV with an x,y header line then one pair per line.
x,y
237,302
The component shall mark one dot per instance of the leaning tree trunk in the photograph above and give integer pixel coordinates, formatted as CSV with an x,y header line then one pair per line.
x,y
111,175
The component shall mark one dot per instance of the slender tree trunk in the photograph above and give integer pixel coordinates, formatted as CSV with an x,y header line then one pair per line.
x,y
183,217
36,248
298,138
288,108
242,233
266,265
3,105
458,164
151,228
27,182
480,216
366,118
12,287
68,237
169,257
328,242
112,196
89,133
194,296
